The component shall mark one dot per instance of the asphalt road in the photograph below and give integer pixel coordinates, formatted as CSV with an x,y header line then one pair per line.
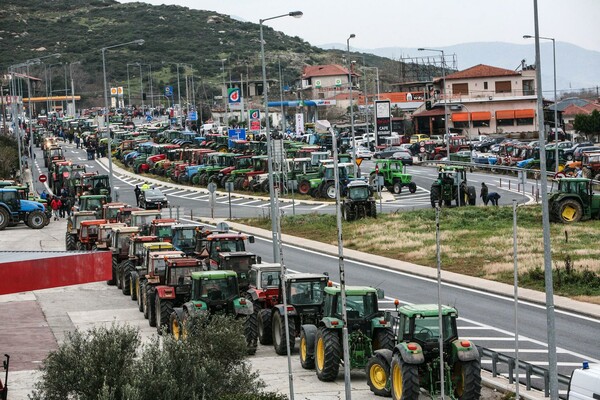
x,y
486,319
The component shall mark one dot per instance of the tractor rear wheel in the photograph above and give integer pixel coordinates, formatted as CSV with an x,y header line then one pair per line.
x,y
279,336
144,294
467,380
304,187
328,353
265,335
36,220
163,308
412,187
329,190
175,324
405,379
133,285
138,291
308,334
113,272
69,242
4,218
397,186
251,333
126,270
151,293
348,213
434,196
378,372
568,211
383,339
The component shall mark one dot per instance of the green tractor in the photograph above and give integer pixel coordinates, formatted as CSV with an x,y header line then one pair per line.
x,y
574,201
321,345
215,292
394,178
451,185
415,361
358,202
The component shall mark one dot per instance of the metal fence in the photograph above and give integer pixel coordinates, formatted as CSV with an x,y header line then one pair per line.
x,y
499,360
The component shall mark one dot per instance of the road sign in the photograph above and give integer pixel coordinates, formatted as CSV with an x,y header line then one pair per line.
x,y
212,187
234,95
193,116
169,91
113,91
42,178
229,186
236,134
359,161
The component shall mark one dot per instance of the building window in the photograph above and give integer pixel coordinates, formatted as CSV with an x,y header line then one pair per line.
x,y
461,124
481,124
503,87
460,88
505,122
528,88
321,95
524,121
485,86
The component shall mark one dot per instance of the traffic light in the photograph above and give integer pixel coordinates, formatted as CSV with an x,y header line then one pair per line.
x,y
428,105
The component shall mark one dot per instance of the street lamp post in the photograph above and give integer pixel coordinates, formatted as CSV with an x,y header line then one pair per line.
x,y
272,193
222,61
446,135
555,97
141,87
352,36
73,86
103,50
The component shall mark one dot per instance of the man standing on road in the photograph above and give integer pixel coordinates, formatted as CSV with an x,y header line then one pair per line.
x,y
137,192
493,197
484,193
55,204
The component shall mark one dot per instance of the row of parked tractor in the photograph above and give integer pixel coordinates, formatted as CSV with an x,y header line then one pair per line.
x,y
176,271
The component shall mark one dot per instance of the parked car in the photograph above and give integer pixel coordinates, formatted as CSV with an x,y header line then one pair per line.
x,y
568,153
388,152
578,153
404,156
153,198
486,145
438,139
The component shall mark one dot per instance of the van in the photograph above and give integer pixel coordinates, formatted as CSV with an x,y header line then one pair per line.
x,y
585,383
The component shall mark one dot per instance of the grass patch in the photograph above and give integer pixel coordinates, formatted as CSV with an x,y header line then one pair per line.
x,y
476,241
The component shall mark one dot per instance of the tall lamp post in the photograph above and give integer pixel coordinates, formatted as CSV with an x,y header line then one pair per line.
x,y
446,135
222,61
103,50
555,97
352,36
272,194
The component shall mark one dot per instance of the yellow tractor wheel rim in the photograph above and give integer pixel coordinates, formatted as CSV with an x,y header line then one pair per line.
x,y
131,288
320,354
459,372
568,213
397,381
175,330
303,349
378,376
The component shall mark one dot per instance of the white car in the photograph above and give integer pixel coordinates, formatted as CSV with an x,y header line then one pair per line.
x,y
362,152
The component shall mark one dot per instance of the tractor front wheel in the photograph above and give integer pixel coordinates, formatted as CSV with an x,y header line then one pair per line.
x,y
405,379
412,187
304,187
328,351
467,380
307,342
348,213
113,272
150,295
36,220
126,269
568,211
329,190
69,242
378,372
265,335
279,336
397,187
175,324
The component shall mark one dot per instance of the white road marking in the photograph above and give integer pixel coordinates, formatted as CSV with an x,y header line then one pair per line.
x,y
249,202
319,207
180,191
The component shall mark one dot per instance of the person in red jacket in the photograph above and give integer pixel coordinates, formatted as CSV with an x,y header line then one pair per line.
x,y
55,204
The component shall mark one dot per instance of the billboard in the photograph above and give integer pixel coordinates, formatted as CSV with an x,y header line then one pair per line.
x,y
254,117
383,120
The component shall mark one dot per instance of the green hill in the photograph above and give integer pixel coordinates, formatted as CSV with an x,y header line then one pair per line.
x,y
172,34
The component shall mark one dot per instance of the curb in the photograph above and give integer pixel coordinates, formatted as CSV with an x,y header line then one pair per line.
x,y
492,287
174,185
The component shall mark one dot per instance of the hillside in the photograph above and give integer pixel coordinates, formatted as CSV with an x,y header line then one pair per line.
x,y
173,34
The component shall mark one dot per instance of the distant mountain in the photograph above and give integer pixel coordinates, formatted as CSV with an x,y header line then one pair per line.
x,y
577,68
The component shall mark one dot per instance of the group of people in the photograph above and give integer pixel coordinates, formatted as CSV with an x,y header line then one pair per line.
x,y
487,196
60,204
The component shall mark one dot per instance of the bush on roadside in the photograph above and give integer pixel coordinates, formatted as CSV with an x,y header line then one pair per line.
x,y
110,363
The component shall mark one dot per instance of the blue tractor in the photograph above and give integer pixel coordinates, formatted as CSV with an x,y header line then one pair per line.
x,y
13,210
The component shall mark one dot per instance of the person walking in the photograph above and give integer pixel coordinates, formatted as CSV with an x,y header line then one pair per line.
x,y
493,198
55,204
137,191
62,212
484,193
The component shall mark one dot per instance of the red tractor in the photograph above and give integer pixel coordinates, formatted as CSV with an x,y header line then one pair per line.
x,y
263,285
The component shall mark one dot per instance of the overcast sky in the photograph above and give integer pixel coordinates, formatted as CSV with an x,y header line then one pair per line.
x,y
417,23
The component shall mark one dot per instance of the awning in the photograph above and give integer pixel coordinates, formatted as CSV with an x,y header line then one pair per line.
x,y
530,113
505,114
460,117
434,112
481,116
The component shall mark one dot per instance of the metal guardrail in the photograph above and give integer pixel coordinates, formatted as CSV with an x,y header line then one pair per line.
x,y
513,372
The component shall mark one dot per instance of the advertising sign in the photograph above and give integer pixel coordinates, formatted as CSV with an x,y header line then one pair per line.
x,y
254,116
383,120
299,124
234,95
